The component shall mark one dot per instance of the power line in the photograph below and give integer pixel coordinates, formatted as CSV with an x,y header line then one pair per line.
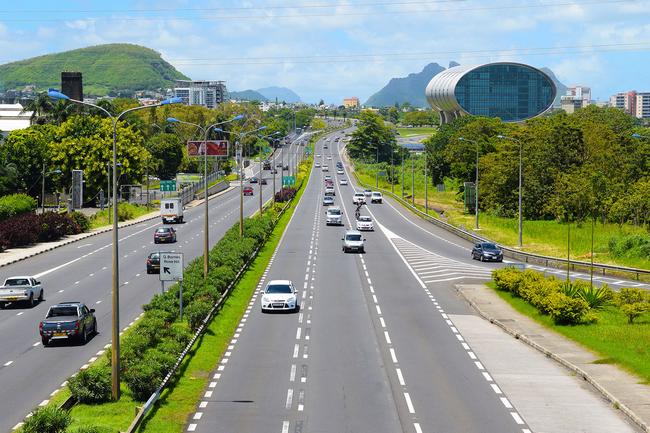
x,y
332,14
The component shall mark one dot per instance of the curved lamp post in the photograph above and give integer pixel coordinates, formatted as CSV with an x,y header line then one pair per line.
x,y
476,186
265,137
206,224
503,137
115,349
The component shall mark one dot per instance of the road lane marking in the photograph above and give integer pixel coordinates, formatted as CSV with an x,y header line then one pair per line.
x,y
289,398
409,403
8,363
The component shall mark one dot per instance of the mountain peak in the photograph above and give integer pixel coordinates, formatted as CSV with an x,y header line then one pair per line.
x,y
282,94
406,89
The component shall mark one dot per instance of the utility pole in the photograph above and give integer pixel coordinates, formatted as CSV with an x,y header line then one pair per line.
x,y
412,180
426,184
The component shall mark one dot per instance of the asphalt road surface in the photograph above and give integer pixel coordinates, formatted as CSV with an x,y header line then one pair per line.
x,y
81,271
378,344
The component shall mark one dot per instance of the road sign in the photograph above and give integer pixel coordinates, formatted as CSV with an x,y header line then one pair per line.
x,y
288,180
168,185
171,266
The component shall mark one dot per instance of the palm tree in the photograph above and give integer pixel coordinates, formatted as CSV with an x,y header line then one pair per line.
x,y
40,106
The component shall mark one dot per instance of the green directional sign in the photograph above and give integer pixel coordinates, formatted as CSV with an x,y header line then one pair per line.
x,y
288,180
168,185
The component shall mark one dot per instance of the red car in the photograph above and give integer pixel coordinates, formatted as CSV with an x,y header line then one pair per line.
x,y
248,190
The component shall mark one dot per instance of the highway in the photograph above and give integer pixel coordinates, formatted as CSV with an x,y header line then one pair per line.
x,y
81,271
382,342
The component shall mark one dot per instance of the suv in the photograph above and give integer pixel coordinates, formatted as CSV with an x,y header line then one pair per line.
x,y
69,320
164,234
359,198
353,241
334,216
153,263
376,197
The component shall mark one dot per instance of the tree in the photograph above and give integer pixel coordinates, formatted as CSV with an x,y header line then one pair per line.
x,y
40,106
86,143
8,179
167,154
371,134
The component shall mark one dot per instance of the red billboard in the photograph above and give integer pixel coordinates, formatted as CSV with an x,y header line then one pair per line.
x,y
215,148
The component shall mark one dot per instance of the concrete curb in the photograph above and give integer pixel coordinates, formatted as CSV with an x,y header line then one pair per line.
x,y
100,231
574,368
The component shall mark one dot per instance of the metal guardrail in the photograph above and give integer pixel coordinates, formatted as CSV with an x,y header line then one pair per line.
x,y
514,253
142,413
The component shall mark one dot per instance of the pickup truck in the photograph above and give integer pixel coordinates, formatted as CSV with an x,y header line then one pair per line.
x,y
68,320
21,289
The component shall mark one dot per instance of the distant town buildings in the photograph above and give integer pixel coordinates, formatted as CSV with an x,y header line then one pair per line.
x,y
12,117
206,93
643,105
576,97
625,101
352,102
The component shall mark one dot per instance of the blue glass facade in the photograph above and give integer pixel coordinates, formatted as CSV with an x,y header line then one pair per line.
x,y
512,92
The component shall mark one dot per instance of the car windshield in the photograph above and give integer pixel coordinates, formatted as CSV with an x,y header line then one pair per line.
x,y
490,247
62,311
162,230
376,193
17,282
353,237
334,212
358,194
278,288
364,218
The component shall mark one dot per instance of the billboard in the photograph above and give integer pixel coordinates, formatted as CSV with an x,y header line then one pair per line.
x,y
215,148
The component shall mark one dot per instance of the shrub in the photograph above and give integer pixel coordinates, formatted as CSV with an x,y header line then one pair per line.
x,y
48,419
54,226
82,220
285,194
630,246
565,310
507,279
92,429
92,385
147,377
597,297
20,231
16,204
633,302
196,312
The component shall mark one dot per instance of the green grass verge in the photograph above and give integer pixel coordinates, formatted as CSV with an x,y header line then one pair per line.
x,y
410,132
179,401
540,237
611,338
128,210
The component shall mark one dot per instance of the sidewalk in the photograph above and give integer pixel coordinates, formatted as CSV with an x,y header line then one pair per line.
x,y
624,390
17,254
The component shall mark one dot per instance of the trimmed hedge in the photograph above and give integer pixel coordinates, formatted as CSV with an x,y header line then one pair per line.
x,y
92,385
16,204
30,228
568,303
150,350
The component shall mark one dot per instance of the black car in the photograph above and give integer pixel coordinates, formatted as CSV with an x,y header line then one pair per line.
x,y
164,234
68,320
153,263
263,181
487,252
253,180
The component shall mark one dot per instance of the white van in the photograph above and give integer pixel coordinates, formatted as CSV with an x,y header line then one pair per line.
x,y
171,210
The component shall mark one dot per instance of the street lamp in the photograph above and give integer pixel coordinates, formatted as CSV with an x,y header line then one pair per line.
x,y
503,137
377,169
57,171
115,349
206,223
264,137
476,186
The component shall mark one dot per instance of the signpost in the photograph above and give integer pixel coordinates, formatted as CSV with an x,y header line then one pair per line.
x,y
168,185
171,269
288,180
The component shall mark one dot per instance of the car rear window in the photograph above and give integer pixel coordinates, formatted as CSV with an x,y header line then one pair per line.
x,y
353,237
278,288
334,212
364,218
17,282
162,230
62,311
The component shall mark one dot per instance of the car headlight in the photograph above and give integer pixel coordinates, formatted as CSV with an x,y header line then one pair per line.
x,y
265,300
291,300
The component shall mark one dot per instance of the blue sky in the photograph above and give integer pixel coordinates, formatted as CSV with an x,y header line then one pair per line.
x,y
332,49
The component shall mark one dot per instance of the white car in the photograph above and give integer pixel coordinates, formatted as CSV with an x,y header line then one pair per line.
x,y
329,190
318,155
329,157
343,181
339,171
328,200
25,289
353,241
376,197
334,216
326,168
327,177
367,192
359,198
279,295
364,223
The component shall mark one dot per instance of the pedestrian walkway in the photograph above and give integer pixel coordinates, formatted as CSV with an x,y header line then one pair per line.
x,y
623,390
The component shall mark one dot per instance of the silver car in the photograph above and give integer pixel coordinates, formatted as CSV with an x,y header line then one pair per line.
x,y
328,200
353,241
334,216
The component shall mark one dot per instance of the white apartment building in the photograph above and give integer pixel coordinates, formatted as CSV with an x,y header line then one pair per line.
x,y
206,93
576,97
625,101
643,105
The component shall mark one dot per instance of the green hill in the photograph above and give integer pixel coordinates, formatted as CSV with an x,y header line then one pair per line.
x,y
106,69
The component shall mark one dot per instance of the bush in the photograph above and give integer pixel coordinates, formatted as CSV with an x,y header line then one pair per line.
x,y
48,419
630,246
147,377
597,297
92,429
16,204
92,385
565,310
54,226
507,279
82,220
196,312
285,194
633,302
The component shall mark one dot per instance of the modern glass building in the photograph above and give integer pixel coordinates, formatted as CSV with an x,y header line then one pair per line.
x,y
511,91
